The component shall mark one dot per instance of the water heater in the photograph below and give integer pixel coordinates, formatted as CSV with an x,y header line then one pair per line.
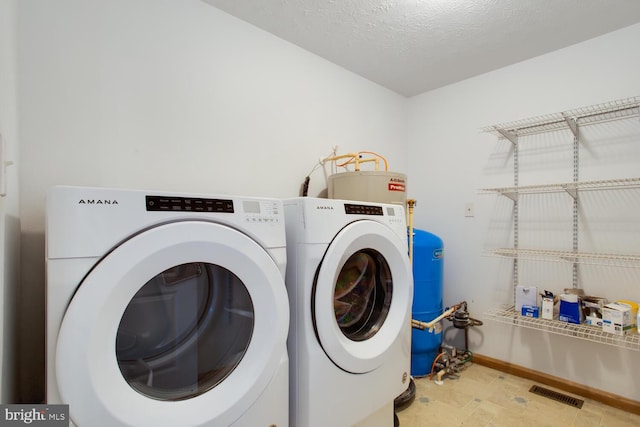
x,y
369,186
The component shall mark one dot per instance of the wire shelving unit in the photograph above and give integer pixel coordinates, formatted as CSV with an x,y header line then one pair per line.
x,y
572,121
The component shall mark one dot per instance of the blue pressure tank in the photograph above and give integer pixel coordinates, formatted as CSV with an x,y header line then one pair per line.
x,y
428,258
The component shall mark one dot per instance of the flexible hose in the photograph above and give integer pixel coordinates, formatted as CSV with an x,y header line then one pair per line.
x,y
433,365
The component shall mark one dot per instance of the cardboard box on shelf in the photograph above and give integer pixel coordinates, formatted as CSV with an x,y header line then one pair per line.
x,y
619,317
526,295
570,309
547,305
592,309
530,311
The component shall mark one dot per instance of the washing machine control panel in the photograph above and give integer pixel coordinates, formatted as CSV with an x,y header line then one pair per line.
x,y
391,215
188,204
261,211
351,209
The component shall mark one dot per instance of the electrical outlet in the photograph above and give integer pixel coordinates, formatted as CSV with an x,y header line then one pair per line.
x,y
468,210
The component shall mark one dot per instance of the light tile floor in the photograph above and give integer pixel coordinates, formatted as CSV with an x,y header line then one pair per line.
x,y
484,397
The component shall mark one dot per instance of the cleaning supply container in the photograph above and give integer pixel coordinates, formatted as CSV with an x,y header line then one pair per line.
x,y
428,258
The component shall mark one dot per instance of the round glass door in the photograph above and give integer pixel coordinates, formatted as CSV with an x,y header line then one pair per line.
x,y
184,331
362,294
184,321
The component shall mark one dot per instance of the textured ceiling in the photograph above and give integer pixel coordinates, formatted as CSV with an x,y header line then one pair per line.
x,y
412,46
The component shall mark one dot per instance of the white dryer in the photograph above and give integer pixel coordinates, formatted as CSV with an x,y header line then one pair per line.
x,y
350,291
166,309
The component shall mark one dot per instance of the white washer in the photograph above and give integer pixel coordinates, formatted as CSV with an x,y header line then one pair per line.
x,y
350,291
166,309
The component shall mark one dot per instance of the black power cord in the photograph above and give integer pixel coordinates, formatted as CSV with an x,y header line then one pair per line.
x,y
305,187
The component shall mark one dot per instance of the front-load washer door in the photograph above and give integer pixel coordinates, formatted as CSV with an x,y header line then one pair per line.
x,y
183,324
362,295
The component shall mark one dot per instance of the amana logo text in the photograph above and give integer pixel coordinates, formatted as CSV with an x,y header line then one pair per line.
x,y
97,202
325,207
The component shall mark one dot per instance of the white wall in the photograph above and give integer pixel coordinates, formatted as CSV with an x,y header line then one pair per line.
x,y
9,204
174,95
451,159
